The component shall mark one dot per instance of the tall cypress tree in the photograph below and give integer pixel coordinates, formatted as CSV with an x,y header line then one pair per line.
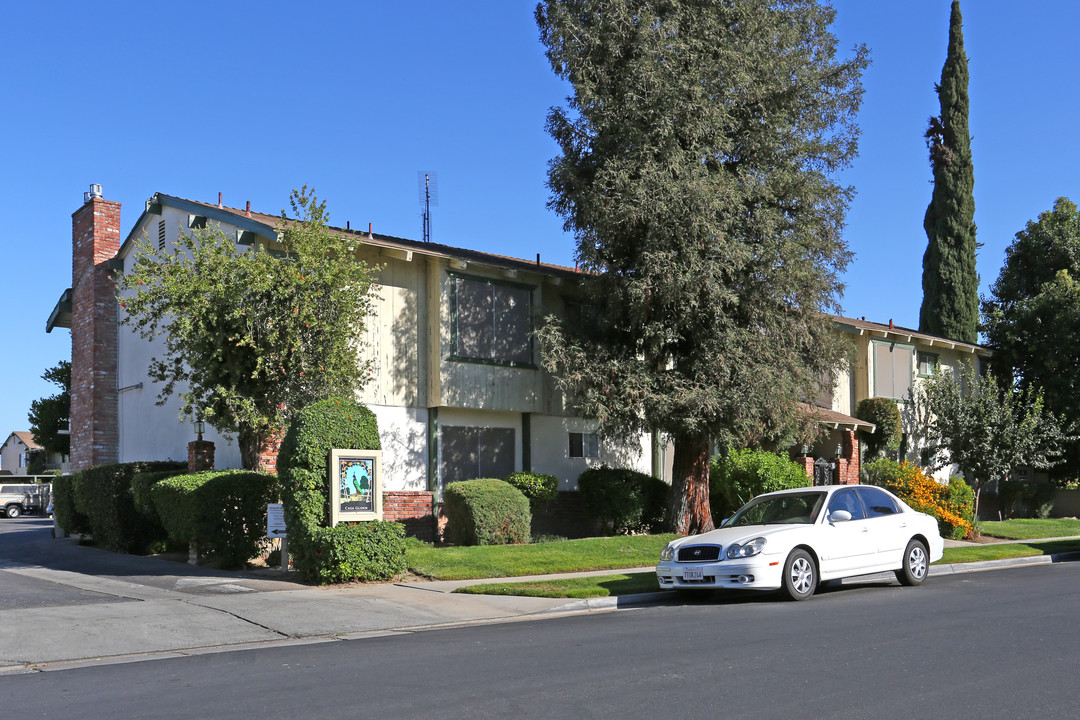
x,y
950,306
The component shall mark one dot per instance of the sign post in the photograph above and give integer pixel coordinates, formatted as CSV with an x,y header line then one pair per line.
x,y
275,528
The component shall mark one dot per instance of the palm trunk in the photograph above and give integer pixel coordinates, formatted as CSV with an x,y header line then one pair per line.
x,y
689,512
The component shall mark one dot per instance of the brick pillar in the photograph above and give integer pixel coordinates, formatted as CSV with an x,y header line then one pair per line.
x,y
95,238
200,455
807,462
848,462
269,451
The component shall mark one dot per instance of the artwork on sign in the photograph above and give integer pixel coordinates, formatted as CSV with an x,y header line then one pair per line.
x,y
355,485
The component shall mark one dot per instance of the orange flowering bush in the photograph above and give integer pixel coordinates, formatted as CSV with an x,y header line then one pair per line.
x,y
953,504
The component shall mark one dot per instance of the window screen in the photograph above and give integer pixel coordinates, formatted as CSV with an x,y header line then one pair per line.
x,y
475,452
927,361
892,370
492,321
584,445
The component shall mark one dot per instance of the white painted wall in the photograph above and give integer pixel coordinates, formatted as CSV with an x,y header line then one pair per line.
x,y
149,431
551,450
9,455
404,440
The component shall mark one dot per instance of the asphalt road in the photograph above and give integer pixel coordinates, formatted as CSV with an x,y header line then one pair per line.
x,y
998,644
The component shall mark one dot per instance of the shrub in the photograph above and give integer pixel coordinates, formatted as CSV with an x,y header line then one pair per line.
x,y
140,490
222,511
624,501
951,504
304,457
63,499
486,512
883,413
361,551
1025,498
741,475
539,489
103,494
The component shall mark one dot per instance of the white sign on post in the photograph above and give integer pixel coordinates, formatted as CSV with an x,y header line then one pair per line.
x,y
275,521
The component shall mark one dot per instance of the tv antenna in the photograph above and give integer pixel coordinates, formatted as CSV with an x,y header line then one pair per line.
x,y
429,195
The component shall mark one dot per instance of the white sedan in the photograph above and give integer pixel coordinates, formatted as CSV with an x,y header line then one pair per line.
x,y
794,539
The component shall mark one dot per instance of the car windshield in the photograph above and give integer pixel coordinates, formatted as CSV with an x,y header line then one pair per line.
x,y
795,509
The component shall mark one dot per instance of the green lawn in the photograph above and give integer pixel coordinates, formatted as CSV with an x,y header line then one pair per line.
x,y
584,587
1001,551
1031,529
490,561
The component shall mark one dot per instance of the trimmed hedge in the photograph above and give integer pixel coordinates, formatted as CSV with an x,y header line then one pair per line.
x,y
362,551
741,475
624,501
103,495
1026,498
486,511
141,483
63,498
222,511
539,489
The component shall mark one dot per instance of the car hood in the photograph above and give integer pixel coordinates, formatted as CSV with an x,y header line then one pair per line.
x,y
727,536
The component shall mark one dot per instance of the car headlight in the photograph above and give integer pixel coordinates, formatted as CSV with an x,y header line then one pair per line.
x,y
668,553
746,549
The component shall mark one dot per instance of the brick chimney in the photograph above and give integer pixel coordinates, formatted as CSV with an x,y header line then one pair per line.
x,y
95,240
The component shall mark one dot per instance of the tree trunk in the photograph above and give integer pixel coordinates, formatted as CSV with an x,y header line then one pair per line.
x,y
251,445
689,512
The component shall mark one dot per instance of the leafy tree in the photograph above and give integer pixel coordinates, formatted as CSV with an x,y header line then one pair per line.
x,y
950,306
49,415
987,430
699,153
252,335
1032,318
883,413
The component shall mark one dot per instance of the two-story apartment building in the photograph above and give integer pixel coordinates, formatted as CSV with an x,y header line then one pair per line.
x,y
457,386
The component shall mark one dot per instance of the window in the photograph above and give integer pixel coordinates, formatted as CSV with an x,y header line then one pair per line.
x,y
492,321
877,501
584,445
927,362
161,235
476,452
846,500
926,457
892,370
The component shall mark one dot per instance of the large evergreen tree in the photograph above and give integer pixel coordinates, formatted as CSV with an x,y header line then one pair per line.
x,y
1032,318
950,306
700,148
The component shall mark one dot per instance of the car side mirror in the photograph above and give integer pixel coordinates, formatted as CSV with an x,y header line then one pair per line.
x,y
839,516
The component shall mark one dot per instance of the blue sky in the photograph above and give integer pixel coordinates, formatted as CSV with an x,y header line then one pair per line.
x,y
252,99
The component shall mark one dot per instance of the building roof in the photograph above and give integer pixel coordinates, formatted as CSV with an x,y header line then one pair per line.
x,y
266,226
837,420
26,438
902,334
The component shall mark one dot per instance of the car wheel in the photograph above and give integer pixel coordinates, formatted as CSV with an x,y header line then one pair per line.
x,y
800,575
916,564
13,511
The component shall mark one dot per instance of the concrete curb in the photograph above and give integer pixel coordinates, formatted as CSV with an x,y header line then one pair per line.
x,y
620,601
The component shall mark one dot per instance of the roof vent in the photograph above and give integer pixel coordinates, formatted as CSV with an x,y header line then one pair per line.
x,y
95,193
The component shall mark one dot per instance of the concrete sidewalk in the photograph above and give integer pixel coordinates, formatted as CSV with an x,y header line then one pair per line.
x,y
150,610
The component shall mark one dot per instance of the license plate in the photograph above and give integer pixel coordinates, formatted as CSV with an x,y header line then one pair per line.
x,y
692,573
